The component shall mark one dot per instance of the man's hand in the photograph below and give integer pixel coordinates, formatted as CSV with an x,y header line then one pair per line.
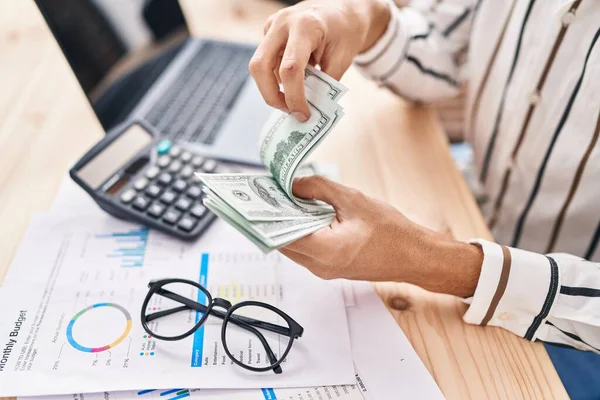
x,y
371,240
328,33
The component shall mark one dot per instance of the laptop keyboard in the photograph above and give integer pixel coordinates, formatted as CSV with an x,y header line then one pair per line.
x,y
196,104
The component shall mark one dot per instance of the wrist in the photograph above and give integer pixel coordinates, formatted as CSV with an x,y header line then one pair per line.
x,y
449,266
379,17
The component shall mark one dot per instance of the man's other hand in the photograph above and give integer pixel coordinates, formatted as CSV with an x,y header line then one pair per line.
x,y
328,33
371,240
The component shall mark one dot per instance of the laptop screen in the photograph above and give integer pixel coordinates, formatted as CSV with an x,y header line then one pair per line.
x,y
116,48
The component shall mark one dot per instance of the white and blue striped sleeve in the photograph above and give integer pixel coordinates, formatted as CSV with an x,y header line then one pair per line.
x,y
554,298
416,57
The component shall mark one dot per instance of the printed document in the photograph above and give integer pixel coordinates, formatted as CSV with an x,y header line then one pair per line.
x,y
71,303
386,365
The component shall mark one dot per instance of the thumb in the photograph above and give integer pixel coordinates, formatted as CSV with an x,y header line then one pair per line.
x,y
320,188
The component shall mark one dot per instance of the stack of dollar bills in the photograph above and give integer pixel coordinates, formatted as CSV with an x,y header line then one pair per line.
x,y
262,206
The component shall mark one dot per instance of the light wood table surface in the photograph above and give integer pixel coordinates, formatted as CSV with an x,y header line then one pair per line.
x,y
383,146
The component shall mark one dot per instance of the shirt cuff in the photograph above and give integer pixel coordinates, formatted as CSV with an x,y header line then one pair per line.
x,y
391,47
516,289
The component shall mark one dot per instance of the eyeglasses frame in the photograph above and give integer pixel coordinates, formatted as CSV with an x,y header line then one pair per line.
x,y
294,331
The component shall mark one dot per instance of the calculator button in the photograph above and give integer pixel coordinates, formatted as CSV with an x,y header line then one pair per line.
x,y
168,197
194,180
175,151
156,210
183,204
141,203
186,156
194,192
128,195
186,172
163,161
197,161
165,179
179,185
153,190
198,211
164,146
209,166
152,172
140,184
175,166
187,223
171,216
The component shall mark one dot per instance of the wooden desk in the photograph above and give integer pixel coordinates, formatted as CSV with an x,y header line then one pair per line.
x,y
383,146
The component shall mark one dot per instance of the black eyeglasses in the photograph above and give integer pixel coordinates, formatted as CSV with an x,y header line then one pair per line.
x,y
175,303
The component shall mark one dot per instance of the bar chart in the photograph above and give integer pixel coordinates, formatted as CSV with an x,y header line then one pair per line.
x,y
128,247
171,394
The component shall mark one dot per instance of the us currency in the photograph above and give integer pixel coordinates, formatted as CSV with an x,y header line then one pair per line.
x,y
285,143
256,197
262,206
322,83
267,235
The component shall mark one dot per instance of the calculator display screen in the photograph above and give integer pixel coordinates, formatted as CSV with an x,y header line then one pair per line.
x,y
116,155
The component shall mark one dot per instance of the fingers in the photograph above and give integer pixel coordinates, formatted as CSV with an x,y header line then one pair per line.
x,y
293,35
293,63
321,188
262,65
309,263
298,258
268,23
313,245
310,252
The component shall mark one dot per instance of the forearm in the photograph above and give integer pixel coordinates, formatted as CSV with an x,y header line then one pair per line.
x,y
453,267
439,264
553,298
377,23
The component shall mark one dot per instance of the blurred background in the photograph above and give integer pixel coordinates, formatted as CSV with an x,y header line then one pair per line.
x,y
117,49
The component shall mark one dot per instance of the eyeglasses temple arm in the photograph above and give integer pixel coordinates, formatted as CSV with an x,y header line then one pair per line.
x,y
281,330
264,342
241,321
187,304
164,313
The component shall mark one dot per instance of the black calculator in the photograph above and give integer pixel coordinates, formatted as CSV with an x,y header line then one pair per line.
x,y
136,176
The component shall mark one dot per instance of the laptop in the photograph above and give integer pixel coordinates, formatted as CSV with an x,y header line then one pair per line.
x,y
136,61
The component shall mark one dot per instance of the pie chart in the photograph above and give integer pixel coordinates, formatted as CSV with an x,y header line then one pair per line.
x,y
99,327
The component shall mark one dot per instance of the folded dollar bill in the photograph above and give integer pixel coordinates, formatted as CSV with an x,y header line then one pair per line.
x,y
262,206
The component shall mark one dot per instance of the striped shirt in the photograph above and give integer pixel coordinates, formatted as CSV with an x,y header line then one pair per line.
x,y
533,119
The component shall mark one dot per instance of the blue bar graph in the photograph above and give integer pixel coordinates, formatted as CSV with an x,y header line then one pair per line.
x,y
168,392
181,396
198,341
129,247
177,393
269,394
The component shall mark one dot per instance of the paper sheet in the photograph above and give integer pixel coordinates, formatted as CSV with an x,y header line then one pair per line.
x,y
67,264
386,366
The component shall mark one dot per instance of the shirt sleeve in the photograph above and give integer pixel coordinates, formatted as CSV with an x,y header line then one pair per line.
x,y
417,56
554,298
